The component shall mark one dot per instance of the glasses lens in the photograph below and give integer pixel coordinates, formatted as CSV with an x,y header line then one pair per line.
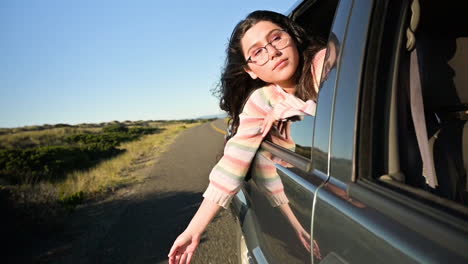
x,y
280,40
260,56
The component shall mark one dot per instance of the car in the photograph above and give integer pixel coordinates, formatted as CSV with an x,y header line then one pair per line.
x,y
379,173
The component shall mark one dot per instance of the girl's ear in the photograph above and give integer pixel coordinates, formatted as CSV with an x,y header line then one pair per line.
x,y
251,73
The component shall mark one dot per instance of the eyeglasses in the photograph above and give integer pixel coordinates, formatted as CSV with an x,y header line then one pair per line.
x,y
279,40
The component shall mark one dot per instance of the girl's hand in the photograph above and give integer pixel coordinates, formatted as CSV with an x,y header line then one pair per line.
x,y
304,237
267,123
316,252
184,247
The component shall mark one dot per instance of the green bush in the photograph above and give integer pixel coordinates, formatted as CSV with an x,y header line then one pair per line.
x,y
107,139
138,130
115,128
79,151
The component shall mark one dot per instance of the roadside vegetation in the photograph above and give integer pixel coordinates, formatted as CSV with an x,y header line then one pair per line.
x,y
47,170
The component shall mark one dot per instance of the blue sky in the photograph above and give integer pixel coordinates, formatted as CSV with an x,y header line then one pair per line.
x,y
94,61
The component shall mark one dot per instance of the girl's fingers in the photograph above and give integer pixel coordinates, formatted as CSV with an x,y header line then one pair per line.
x,y
317,250
307,246
280,126
183,258
283,127
177,258
189,257
306,243
172,255
173,250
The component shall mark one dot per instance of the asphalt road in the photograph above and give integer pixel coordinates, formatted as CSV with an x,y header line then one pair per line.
x,y
139,224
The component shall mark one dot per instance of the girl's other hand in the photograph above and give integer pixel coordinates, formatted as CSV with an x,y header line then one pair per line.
x,y
316,252
282,127
304,237
267,123
183,248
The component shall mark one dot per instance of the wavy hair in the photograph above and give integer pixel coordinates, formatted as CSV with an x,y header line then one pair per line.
x,y
236,85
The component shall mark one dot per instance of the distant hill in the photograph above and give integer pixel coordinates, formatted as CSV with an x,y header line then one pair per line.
x,y
212,116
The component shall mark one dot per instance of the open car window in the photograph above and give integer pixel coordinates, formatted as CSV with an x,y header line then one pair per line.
x,y
421,150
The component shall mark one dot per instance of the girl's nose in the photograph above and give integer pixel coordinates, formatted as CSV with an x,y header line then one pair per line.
x,y
272,51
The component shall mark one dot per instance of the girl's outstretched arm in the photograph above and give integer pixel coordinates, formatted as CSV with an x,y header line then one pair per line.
x,y
184,246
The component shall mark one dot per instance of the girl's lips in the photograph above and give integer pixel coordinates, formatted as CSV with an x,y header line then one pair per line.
x,y
280,64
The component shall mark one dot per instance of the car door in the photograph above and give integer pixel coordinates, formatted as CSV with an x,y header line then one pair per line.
x,y
357,218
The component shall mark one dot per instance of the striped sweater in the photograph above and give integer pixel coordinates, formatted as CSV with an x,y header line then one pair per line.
x,y
240,151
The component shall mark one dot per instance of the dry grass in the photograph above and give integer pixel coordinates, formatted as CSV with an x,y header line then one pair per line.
x,y
53,136
123,168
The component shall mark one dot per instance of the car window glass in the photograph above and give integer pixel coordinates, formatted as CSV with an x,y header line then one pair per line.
x,y
348,83
324,113
395,146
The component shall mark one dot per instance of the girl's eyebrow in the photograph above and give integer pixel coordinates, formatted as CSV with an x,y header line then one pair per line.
x,y
267,35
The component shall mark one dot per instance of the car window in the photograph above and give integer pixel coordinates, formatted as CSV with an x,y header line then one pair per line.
x,y
343,132
424,159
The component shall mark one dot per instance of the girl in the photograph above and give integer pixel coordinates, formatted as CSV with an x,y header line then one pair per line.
x,y
272,73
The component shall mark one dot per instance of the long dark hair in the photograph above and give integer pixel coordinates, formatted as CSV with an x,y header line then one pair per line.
x,y
236,85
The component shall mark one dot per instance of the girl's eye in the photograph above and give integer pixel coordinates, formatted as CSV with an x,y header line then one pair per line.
x,y
276,38
257,52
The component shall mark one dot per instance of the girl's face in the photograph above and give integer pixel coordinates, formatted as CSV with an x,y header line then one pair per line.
x,y
282,63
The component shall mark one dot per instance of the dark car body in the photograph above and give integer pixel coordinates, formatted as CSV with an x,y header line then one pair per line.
x,y
344,183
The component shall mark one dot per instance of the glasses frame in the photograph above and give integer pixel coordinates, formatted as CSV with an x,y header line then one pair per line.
x,y
249,59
